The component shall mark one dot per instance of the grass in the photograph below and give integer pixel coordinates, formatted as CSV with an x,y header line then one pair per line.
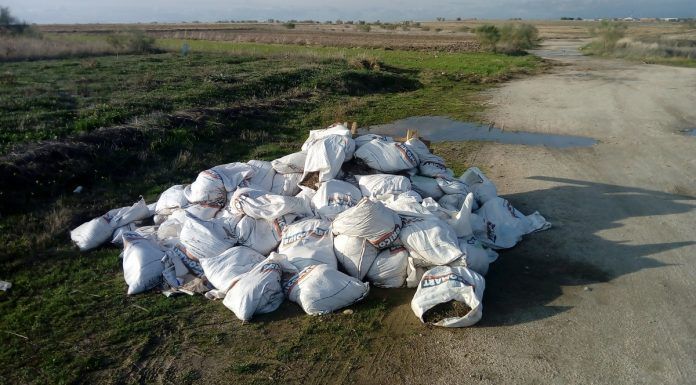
x,y
676,49
173,117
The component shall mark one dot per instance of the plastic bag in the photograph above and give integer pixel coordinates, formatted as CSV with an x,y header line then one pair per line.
x,y
356,255
321,289
443,284
308,242
390,268
142,263
371,220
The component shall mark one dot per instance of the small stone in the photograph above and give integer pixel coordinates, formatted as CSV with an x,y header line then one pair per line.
x,y
587,288
348,312
77,190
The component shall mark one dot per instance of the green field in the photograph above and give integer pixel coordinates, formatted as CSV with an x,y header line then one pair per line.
x,y
68,319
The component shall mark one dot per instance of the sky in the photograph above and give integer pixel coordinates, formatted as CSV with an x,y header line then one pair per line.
x,y
123,11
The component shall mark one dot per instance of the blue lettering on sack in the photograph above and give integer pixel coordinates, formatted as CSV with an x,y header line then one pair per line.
x,y
269,267
434,280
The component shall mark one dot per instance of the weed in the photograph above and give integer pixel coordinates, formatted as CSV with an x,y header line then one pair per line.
x,y
248,368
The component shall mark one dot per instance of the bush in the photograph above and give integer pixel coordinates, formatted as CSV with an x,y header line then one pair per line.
x,y
517,38
510,38
364,27
133,42
289,25
608,33
488,36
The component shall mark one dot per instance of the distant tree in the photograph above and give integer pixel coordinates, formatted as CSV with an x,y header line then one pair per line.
x,y
10,24
459,19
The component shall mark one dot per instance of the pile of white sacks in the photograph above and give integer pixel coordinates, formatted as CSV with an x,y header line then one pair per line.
x,y
252,234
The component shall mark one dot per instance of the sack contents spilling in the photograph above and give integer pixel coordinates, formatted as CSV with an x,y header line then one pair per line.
x,y
317,227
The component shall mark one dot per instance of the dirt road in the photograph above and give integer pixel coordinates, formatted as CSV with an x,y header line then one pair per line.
x,y
608,296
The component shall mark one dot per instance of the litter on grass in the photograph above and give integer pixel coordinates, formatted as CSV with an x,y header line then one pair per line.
x,y
5,286
317,227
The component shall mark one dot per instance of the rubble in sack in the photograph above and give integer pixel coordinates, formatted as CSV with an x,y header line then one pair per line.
x,y
318,227
308,242
321,289
370,220
355,255
443,284
333,197
259,290
221,270
390,268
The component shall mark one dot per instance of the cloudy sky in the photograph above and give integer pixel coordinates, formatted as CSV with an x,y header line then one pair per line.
x,y
86,11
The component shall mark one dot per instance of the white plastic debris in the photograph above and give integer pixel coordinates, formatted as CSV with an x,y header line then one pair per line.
x,y
443,284
429,241
259,290
387,156
333,197
78,190
383,184
390,268
172,199
262,235
308,242
502,226
142,263
414,225
327,154
321,289
428,164
260,204
206,239
290,164
286,184
476,257
426,187
413,274
355,255
482,187
212,185
221,270
97,231
371,220
263,175
5,286
362,139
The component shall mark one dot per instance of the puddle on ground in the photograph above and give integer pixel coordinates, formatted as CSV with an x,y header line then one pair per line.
x,y
441,129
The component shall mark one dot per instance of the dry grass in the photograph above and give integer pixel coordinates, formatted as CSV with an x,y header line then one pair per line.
x,y
32,48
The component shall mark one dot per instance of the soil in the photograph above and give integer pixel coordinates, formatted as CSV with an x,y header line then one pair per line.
x,y
623,214
451,309
311,180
